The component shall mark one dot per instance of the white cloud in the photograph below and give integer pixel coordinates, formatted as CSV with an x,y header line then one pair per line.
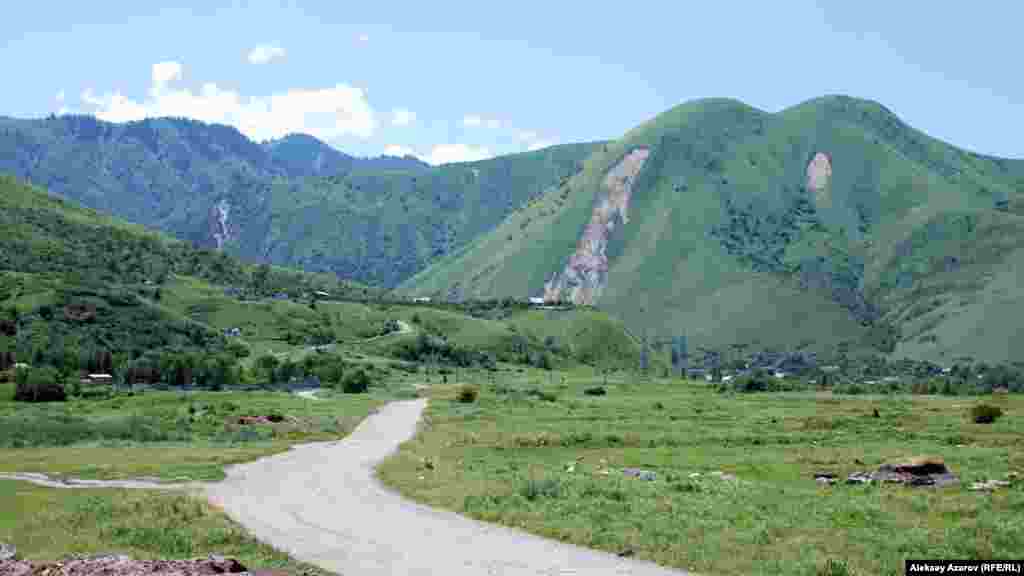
x,y
265,53
534,141
402,117
364,37
326,113
447,153
396,150
476,121
60,96
163,74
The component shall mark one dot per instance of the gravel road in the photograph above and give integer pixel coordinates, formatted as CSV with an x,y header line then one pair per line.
x,y
322,504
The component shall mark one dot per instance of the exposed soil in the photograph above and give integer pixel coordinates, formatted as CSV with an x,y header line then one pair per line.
x,y
586,273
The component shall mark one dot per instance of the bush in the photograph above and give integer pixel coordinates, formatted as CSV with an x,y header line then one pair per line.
x,y
545,488
356,382
467,394
752,383
39,385
595,391
985,413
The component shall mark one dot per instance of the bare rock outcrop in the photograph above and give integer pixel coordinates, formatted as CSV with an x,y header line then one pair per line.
x,y
819,175
219,229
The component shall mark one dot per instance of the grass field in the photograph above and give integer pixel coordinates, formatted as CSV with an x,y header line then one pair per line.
x,y
548,458
48,524
167,434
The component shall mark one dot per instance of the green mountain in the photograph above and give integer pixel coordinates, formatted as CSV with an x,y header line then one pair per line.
x,y
292,202
74,279
80,290
828,222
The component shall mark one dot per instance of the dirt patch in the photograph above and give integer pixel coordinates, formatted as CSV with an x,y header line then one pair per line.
x,y
819,174
586,273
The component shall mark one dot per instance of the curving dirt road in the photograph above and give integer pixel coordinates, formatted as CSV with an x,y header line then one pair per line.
x,y
135,483
322,504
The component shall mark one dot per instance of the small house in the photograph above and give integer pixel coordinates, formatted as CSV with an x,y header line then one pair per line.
x,y
534,301
421,299
100,378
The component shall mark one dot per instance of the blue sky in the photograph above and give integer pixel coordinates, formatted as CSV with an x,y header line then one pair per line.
x,y
461,80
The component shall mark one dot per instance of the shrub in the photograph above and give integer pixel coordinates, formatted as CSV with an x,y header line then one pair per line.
x,y
985,413
595,391
356,382
39,385
758,382
467,394
532,489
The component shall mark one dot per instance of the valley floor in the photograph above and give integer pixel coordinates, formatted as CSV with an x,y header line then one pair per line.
x,y
680,474
539,474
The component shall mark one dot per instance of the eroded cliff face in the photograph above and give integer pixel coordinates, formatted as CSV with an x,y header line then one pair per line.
x,y
219,229
586,273
819,174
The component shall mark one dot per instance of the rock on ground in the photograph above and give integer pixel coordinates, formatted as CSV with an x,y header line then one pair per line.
x,y
117,565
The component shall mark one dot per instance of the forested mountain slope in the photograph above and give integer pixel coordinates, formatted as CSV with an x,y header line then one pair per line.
x,y
831,221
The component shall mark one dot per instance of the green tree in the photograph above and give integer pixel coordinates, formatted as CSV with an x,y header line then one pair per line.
x,y
40,384
356,383
267,366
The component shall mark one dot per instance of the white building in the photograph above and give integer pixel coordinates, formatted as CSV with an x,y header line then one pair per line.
x,y
536,301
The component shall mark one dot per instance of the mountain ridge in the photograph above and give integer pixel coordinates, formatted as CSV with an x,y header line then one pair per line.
x,y
815,212
294,201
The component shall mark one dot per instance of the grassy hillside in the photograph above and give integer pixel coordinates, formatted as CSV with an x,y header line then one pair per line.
x,y
74,283
84,291
830,221
292,202
382,226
